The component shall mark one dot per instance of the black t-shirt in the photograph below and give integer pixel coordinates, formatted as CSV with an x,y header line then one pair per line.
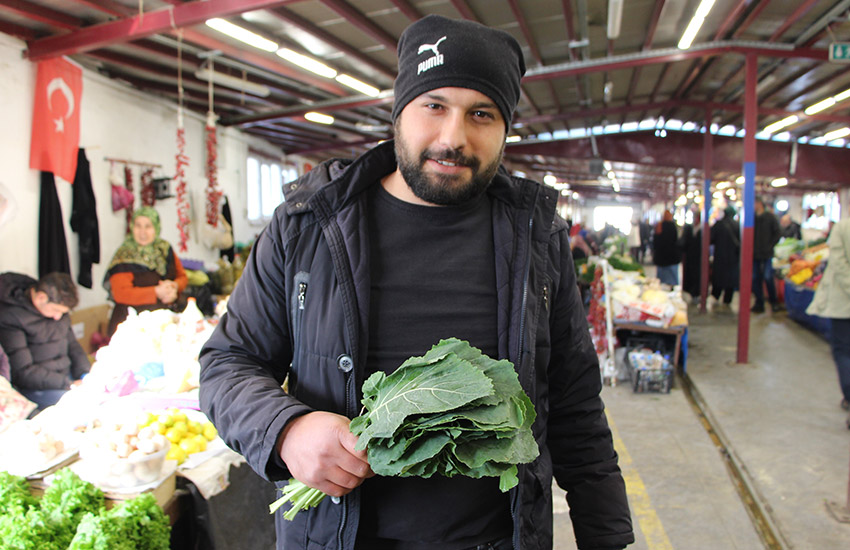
x,y
432,277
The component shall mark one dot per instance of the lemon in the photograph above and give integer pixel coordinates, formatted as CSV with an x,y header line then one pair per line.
x,y
176,453
194,427
181,427
209,431
189,445
173,435
200,441
166,420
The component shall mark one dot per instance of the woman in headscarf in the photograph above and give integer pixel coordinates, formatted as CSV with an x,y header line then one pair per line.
x,y
145,273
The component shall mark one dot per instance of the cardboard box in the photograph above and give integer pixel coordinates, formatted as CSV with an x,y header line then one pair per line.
x,y
86,322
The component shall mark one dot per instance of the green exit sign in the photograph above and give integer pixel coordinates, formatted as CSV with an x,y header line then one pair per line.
x,y
839,51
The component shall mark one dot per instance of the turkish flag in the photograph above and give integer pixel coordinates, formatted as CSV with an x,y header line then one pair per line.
x,y
56,118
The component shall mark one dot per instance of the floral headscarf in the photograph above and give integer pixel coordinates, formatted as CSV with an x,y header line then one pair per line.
x,y
153,256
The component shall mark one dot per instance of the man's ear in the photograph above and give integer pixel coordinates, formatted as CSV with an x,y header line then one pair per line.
x,y
39,298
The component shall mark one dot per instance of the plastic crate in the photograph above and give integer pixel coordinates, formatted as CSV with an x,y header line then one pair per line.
x,y
654,372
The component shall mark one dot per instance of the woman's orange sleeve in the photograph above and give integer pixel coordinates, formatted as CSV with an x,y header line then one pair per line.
x,y
124,292
181,278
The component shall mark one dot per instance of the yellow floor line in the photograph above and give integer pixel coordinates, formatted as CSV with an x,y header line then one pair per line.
x,y
642,510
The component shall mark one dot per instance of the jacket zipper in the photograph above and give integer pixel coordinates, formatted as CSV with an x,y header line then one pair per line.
x,y
523,313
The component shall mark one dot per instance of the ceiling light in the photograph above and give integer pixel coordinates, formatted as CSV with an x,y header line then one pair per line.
x,y
513,139
779,124
837,134
723,184
740,180
319,118
550,179
698,199
575,195
820,106
241,34
565,192
695,24
307,63
616,185
843,95
779,182
358,85
615,16
232,82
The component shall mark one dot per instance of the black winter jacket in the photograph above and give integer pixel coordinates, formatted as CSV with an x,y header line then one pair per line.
x,y
766,233
43,353
303,299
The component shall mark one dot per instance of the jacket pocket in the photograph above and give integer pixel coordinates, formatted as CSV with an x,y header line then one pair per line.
x,y
298,304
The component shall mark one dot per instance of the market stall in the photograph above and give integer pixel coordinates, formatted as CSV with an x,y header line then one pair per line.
x,y
799,266
133,427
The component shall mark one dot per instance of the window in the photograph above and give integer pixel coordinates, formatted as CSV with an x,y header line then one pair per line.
x,y
266,179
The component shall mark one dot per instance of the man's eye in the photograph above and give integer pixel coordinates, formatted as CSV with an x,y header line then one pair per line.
x,y
433,106
483,114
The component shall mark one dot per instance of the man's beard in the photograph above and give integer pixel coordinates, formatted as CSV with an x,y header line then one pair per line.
x,y
443,189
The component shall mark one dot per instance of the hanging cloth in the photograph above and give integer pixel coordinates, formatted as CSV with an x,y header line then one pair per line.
x,y
52,247
84,220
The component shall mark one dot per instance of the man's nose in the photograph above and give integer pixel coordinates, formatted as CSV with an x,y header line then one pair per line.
x,y
453,131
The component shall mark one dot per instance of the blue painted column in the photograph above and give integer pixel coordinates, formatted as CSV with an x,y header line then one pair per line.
x,y
745,282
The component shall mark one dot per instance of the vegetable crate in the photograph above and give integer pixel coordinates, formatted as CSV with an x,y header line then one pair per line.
x,y
648,362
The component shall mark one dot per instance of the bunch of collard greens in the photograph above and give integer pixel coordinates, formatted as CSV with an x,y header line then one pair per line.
x,y
72,514
453,411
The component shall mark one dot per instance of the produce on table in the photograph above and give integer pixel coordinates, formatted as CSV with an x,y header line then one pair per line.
x,y
453,411
72,516
187,436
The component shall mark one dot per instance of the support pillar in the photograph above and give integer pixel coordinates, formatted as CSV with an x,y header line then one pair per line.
x,y
745,282
707,160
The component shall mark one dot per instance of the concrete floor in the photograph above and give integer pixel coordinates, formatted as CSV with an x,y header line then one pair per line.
x,y
779,415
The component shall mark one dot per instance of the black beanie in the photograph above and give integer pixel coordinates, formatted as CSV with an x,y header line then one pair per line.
x,y
437,52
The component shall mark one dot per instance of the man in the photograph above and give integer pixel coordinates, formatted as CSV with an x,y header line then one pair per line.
x,y
790,229
766,234
374,260
35,332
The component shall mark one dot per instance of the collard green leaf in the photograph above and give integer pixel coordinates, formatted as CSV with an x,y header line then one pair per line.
x,y
420,388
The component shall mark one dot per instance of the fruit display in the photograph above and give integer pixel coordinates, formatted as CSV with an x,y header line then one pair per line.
x,y
186,435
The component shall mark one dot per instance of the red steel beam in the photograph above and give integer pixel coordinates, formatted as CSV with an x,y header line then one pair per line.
x,y
357,19
12,29
140,26
798,13
407,9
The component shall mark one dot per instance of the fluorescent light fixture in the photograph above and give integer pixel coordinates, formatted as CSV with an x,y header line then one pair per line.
x,y
319,118
232,82
681,201
740,180
837,134
820,106
615,16
612,175
843,95
717,194
307,63
243,35
358,85
565,192
575,195
695,24
550,179
698,199
513,139
723,184
779,124
616,185
779,182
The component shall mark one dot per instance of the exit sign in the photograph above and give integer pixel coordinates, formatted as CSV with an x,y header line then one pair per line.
x,y
839,51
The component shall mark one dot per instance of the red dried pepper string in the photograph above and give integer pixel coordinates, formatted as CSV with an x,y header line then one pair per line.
x,y
148,191
213,193
182,161
128,183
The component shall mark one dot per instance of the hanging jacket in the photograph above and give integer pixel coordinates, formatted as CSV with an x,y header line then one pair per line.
x,y
301,310
43,352
84,220
52,246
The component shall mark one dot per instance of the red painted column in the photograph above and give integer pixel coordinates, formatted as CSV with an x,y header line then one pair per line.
x,y
745,282
707,161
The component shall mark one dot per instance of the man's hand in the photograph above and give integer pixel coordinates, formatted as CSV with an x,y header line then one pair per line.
x,y
319,451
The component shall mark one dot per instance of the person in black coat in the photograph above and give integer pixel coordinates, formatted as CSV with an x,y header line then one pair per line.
x,y
665,250
35,332
725,236
691,245
766,233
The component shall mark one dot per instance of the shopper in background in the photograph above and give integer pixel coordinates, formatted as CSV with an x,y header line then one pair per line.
x,y
766,234
789,228
691,245
145,273
832,300
726,238
666,253
645,238
45,359
633,241
374,260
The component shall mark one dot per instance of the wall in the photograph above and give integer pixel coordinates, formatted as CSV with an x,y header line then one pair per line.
x,y
116,122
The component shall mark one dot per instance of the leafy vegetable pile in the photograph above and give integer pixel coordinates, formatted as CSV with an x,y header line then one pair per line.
x,y
453,411
72,516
